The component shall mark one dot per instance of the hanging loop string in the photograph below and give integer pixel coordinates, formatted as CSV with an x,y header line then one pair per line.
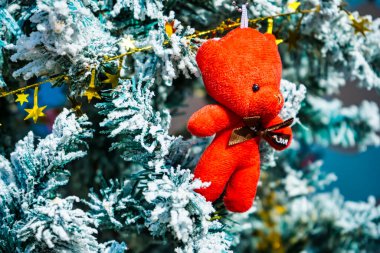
x,y
244,16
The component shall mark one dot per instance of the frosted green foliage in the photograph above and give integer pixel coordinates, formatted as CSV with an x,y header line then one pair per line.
x,y
299,170
176,205
213,241
161,196
318,223
115,207
330,123
328,224
66,37
2,83
140,131
62,228
167,207
57,225
179,211
140,9
182,213
265,8
30,178
7,24
113,247
342,57
167,62
293,97
300,179
311,222
39,170
33,218
6,175
357,58
178,58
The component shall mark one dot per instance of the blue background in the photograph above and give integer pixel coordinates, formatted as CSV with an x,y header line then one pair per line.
x,y
358,173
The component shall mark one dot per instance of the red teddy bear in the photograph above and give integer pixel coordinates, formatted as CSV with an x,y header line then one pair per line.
x,y
241,71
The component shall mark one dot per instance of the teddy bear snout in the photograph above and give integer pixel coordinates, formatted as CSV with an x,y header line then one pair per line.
x,y
279,98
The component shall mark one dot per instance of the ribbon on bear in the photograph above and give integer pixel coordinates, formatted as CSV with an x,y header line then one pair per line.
x,y
253,128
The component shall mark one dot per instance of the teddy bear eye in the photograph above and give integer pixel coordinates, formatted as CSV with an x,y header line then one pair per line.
x,y
255,87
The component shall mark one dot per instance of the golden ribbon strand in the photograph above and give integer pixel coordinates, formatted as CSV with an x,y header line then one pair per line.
x,y
4,94
222,27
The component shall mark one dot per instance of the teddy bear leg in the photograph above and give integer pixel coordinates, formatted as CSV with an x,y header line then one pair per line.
x,y
241,189
215,166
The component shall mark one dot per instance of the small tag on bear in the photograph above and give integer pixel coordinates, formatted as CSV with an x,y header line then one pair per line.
x,y
278,139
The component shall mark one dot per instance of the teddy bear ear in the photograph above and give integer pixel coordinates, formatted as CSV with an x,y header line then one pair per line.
x,y
270,37
209,50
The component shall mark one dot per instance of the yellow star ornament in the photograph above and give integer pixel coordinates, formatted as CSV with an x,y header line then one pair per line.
x,y
294,36
35,112
112,79
360,26
278,42
169,28
22,98
127,43
91,91
270,31
294,5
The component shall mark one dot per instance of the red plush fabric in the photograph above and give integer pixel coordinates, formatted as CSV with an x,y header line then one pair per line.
x,y
230,67
210,120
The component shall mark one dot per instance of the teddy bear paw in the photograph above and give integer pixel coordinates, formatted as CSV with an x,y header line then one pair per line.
x,y
239,205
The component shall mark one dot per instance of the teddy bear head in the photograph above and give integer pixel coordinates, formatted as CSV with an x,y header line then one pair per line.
x,y
242,71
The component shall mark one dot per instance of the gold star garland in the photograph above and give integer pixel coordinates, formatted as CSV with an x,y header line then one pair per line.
x,y
270,30
294,36
113,79
92,92
222,28
294,5
22,98
35,112
76,105
127,43
360,26
4,94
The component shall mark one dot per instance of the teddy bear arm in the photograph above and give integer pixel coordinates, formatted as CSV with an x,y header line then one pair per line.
x,y
286,130
210,120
